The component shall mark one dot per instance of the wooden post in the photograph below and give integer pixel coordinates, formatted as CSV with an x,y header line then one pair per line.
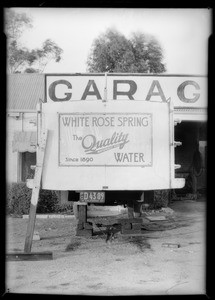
x,y
30,228
137,208
35,193
130,209
83,228
82,213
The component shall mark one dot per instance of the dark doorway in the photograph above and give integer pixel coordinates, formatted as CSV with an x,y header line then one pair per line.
x,y
28,160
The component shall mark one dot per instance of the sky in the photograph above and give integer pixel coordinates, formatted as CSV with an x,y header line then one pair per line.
x,y
182,33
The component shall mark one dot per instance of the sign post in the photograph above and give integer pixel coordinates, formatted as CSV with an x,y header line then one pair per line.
x,y
35,193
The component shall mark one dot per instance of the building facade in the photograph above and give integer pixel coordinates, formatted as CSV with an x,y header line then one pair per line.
x,y
24,91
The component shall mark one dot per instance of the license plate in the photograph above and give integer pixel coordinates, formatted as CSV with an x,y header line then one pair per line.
x,y
93,197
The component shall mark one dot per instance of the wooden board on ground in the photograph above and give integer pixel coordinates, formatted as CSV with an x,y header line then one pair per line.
x,y
29,256
156,218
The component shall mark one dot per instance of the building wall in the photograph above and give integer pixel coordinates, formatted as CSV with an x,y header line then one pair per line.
x,y
16,122
15,172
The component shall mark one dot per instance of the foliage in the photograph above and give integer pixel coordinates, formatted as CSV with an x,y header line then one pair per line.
x,y
20,59
48,201
19,198
66,208
148,54
32,70
39,58
113,52
15,24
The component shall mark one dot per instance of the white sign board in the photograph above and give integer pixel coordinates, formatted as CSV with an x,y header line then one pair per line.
x,y
111,139
185,91
113,145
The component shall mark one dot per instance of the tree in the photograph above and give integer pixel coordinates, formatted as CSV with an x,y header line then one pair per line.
x,y
113,52
15,24
39,58
19,58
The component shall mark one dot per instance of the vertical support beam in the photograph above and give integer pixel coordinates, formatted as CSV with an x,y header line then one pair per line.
x,y
83,228
35,193
82,213
137,207
130,209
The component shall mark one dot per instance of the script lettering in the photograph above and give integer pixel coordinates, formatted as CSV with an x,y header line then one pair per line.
x,y
94,146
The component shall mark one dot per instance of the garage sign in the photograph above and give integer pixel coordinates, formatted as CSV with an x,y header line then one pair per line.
x,y
183,90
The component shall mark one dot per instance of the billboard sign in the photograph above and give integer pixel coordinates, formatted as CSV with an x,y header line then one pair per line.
x,y
184,90
110,139
113,145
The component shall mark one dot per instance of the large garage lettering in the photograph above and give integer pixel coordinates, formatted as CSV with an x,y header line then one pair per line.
x,y
144,88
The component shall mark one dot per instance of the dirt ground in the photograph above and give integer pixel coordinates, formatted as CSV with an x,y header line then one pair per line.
x,y
140,265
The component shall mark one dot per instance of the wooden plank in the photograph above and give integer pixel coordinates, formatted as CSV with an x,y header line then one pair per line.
x,y
156,218
29,256
31,224
35,193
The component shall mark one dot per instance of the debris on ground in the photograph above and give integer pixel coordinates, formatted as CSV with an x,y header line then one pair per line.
x,y
152,220
73,246
36,236
171,245
161,211
167,210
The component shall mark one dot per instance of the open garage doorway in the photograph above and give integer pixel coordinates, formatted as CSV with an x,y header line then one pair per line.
x,y
192,156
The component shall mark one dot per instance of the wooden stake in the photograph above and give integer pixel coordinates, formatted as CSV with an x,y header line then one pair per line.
x,y
35,193
30,228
